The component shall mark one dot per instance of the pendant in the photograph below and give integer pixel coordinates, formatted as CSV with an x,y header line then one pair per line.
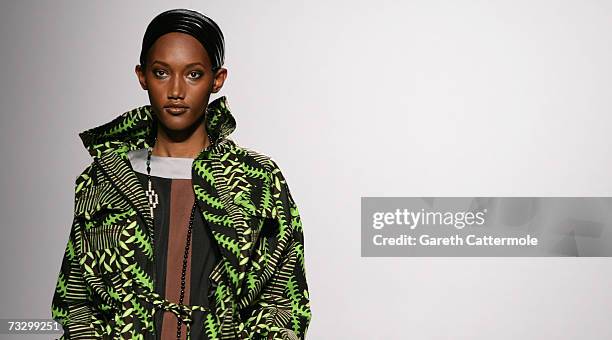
x,y
153,198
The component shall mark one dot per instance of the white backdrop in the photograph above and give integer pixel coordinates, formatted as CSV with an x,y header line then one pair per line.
x,y
351,98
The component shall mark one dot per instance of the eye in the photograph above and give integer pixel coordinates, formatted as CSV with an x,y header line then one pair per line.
x,y
159,73
195,74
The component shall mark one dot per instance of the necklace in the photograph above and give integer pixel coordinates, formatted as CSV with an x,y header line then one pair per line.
x,y
151,194
153,201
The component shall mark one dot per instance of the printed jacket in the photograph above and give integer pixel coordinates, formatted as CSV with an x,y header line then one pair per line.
x,y
105,285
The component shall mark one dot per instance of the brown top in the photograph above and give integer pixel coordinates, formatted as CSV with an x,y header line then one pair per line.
x,y
171,180
181,201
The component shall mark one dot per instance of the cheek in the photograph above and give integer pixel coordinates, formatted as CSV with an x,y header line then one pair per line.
x,y
198,94
157,94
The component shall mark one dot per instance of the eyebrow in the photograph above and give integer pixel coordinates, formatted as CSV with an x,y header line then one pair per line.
x,y
166,64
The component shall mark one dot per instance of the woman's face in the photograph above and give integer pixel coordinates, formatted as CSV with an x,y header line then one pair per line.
x,y
178,72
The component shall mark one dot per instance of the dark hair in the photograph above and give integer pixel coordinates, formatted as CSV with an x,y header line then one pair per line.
x,y
187,21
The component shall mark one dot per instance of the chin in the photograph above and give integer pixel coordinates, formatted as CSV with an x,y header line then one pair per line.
x,y
177,123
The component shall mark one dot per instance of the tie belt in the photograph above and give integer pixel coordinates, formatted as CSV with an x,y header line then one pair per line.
x,y
182,312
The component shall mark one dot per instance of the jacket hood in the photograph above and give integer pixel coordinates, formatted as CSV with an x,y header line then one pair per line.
x,y
137,128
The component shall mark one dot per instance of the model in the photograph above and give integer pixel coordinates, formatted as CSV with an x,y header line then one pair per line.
x,y
178,232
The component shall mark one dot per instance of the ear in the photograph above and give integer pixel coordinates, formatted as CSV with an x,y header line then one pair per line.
x,y
219,79
141,77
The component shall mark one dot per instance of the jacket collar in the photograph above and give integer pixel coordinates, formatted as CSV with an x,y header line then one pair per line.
x,y
136,129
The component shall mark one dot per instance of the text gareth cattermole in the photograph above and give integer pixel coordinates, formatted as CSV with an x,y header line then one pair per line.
x,y
413,219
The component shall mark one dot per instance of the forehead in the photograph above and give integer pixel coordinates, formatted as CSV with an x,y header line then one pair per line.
x,y
178,48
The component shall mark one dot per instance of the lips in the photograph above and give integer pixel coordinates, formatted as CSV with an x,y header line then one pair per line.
x,y
175,110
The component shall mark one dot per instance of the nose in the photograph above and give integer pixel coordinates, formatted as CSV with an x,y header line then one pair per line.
x,y
177,88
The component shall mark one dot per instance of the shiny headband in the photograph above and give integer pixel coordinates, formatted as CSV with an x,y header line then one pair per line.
x,y
187,21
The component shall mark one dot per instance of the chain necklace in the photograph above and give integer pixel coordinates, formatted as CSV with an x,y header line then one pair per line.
x,y
153,201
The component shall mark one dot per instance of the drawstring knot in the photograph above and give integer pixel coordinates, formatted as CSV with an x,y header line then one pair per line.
x,y
183,312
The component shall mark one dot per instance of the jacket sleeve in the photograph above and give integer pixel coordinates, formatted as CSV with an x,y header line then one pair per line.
x,y
283,308
71,305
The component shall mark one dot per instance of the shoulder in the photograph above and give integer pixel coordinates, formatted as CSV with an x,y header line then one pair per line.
x,y
253,159
257,180
86,178
86,185
257,168
89,179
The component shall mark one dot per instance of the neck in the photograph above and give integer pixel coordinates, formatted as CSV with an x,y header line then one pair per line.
x,y
180,144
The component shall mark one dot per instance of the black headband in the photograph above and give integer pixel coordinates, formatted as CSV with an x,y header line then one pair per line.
x,y
187,21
